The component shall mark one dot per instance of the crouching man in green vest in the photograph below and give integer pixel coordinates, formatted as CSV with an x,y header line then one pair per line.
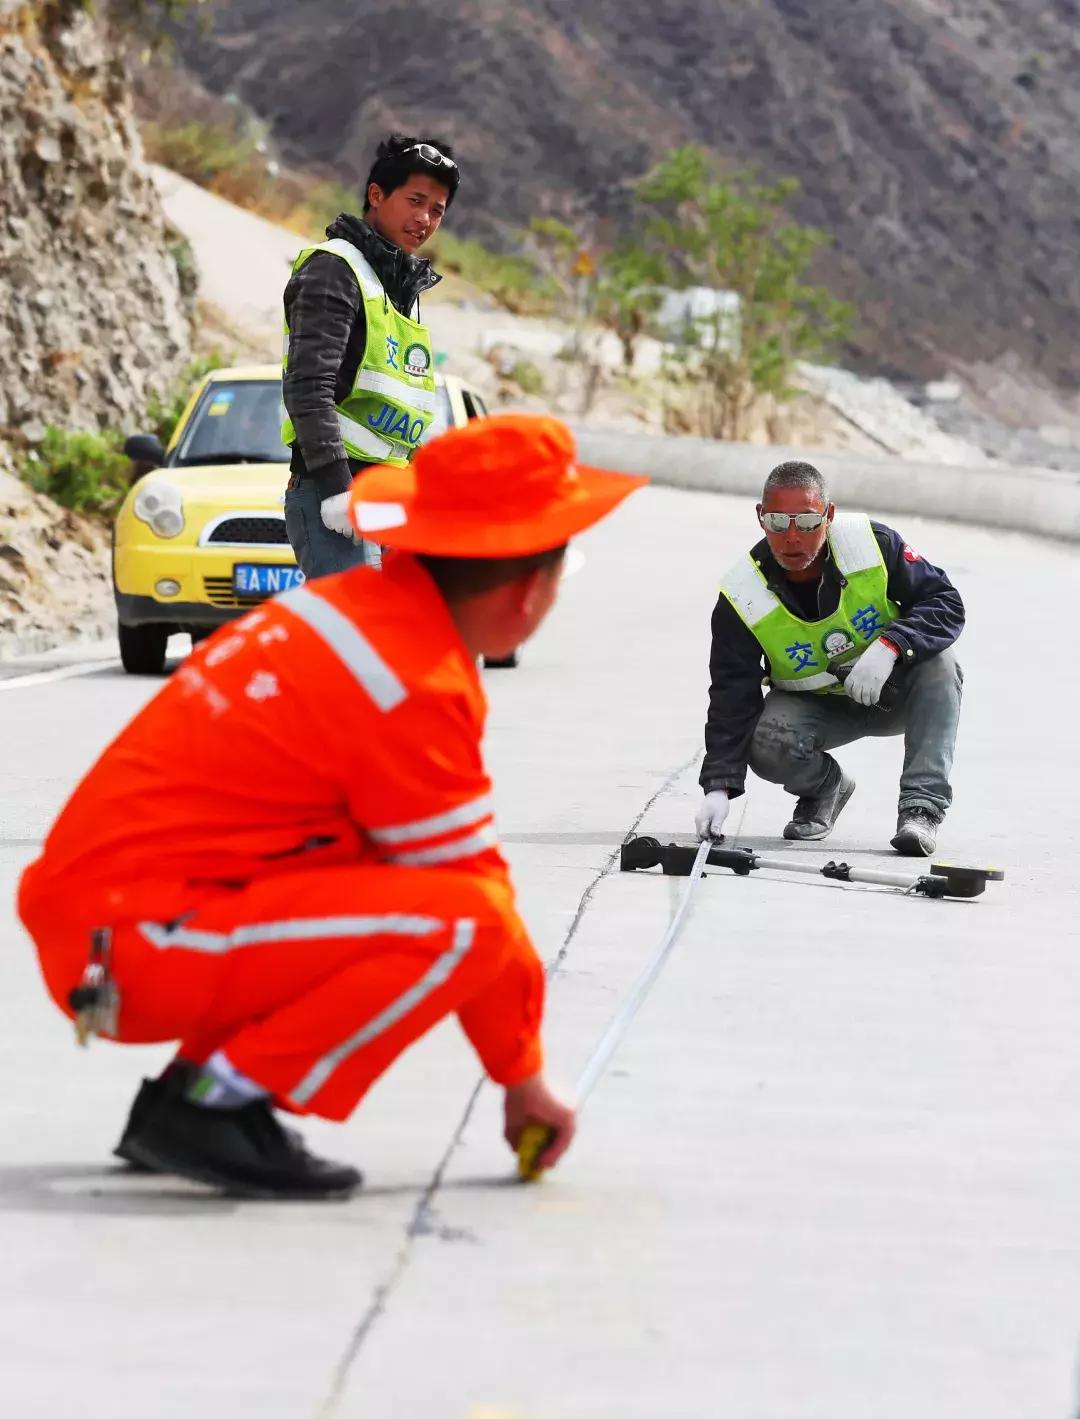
x,y
358,379
853,631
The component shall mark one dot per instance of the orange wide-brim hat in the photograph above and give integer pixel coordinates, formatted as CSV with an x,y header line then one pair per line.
x,y
504,486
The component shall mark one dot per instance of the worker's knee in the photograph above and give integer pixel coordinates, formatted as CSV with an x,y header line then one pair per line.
x,y
939,672
779,746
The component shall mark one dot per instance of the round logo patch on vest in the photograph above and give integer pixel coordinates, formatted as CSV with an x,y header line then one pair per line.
x,y
836,643
417,359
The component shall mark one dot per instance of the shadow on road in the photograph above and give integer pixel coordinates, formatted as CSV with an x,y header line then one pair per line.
x,y
114,1190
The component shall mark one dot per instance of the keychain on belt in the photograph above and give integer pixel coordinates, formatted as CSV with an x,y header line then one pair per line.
x,y
96,999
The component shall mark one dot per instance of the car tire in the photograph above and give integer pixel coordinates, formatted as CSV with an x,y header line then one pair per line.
x,y
142,648
503,662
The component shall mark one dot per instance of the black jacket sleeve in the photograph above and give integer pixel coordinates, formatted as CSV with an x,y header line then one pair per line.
x,y
736,669
323,307
931,610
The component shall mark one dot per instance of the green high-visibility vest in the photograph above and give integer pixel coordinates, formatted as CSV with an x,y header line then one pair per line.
x,y
392,402
798,651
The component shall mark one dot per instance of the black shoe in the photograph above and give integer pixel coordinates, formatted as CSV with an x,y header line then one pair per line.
x,y
814,817
150,1093
246,1151
916,832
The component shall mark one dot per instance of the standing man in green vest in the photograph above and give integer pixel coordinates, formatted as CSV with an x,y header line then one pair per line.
x,y
358,370
854,632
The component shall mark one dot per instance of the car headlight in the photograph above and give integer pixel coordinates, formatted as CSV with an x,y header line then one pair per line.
x,y
161,506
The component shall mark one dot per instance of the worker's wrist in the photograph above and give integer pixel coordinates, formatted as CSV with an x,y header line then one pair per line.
x,y
889,645
732,787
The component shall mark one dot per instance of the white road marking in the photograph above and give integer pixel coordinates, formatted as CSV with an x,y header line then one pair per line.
x,y
62,672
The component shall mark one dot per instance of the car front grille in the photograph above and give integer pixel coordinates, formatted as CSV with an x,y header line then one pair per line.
x,y
219,592
249,531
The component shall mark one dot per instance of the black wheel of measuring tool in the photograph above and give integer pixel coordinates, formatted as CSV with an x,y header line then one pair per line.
x,y
142,648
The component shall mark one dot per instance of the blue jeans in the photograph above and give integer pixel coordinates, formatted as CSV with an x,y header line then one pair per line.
x,y
795,732
319,551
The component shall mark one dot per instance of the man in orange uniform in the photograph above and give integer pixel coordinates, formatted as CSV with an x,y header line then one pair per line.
x,y
288,862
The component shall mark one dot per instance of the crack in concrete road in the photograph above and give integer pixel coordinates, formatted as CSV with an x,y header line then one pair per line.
x,y
419,1224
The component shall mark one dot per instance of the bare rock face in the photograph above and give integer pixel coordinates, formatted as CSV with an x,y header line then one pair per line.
x,y
92,317
54,572
935,138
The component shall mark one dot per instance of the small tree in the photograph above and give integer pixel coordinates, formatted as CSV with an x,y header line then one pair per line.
x,y
731,233
561,257
627,294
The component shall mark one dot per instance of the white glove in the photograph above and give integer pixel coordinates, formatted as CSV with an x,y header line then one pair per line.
x,y
711,816
335,514
867,677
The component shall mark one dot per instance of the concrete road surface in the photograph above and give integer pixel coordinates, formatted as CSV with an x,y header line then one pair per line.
x,y
833,1174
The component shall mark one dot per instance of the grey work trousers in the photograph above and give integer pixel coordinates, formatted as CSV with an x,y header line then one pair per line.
x,y
319,551
796,730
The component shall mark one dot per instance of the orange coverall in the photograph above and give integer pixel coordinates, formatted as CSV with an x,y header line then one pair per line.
x,y
294,848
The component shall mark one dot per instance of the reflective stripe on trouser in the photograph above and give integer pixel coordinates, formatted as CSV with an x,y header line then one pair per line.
x,y
313,982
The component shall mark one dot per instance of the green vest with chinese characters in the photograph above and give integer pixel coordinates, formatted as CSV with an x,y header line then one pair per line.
x,y
386,413
799,651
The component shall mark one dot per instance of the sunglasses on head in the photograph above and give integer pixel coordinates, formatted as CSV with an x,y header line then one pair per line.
x,y
431,154
781,521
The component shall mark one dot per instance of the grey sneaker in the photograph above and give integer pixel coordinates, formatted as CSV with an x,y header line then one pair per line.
x,y
814,817
916,832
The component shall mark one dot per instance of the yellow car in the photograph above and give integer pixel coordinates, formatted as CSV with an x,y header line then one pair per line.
x,y
201,537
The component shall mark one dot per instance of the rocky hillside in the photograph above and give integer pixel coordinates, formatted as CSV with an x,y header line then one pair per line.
x,y
92,317
935,138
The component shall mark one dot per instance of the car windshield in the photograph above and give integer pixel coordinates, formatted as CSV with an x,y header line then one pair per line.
x,y
235,421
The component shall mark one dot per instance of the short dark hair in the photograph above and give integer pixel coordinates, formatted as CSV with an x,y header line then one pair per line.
x,y
471,576
796,475
397,158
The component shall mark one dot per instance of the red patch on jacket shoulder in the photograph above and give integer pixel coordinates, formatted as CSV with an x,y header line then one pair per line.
x,y
910,554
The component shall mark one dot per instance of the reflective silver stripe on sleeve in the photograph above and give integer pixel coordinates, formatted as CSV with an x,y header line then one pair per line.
x,y
380,383
349,644
854,546
807,682
448,852
746,590
436,975
264,933
367,444
432,827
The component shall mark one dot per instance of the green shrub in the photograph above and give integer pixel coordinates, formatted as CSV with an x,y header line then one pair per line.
x,y
512,280
84,471
527,377
198,151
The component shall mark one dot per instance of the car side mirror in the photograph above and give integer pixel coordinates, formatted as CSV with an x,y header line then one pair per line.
x,y
145,448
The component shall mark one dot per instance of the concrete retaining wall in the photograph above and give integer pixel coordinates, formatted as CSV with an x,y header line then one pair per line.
x,y
1035,500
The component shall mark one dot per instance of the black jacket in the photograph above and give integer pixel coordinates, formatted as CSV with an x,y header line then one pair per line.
x,y
931,617
327,333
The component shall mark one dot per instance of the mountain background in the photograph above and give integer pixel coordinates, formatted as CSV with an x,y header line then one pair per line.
x,y
935,139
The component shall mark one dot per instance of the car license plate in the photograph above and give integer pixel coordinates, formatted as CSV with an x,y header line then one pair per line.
x,y
262,579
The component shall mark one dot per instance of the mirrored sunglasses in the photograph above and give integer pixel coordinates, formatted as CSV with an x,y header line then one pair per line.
x,y
781,521
431,154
